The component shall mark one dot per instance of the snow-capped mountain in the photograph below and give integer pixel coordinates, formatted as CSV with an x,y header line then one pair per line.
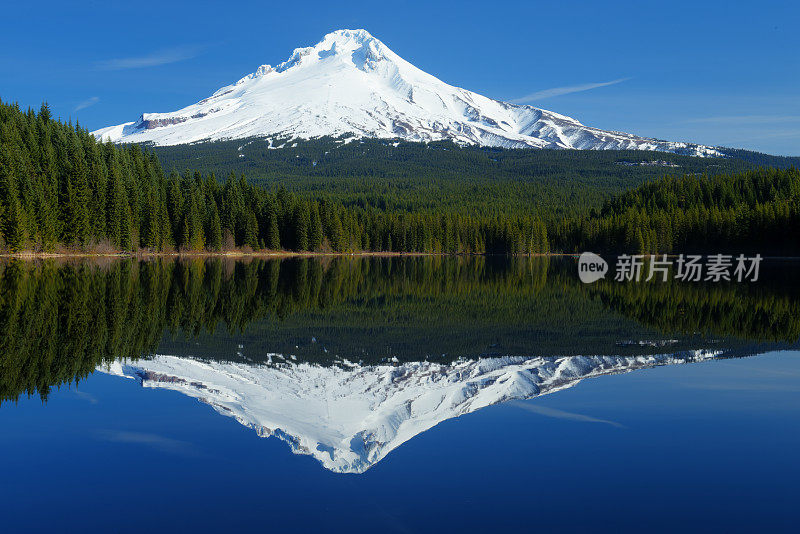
x,y
349,417
351,84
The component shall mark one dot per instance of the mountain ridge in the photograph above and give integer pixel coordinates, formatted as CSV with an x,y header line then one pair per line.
x,y
351,84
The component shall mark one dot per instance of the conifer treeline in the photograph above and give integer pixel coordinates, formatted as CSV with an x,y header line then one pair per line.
x,y
443,176
60,187
754,211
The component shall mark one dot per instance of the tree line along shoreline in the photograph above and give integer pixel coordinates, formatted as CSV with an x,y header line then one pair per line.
x,y
63,192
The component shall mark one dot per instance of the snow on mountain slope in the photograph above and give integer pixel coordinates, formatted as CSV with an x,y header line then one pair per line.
x,y
350,83
350,417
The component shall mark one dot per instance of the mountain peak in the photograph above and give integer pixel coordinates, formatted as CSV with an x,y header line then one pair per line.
x,y
358,36
351,46
351,84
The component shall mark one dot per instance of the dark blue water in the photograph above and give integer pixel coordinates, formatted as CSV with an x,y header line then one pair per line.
x,y
706,446
698,446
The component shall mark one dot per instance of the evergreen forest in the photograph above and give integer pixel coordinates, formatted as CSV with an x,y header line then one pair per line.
x,y
63,191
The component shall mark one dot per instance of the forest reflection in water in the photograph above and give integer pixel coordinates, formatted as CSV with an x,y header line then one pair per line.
x,y
60,320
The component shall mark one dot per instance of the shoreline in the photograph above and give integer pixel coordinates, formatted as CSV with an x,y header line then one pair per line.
x,y
242,254
234,254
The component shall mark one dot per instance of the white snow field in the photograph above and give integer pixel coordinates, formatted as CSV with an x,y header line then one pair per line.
x,y
351,84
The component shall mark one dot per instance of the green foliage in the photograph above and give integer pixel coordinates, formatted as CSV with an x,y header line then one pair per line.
x,y
59,186
83,194
58,321
439,177
755,211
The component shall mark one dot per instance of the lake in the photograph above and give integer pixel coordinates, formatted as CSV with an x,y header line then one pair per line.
x,y
415,394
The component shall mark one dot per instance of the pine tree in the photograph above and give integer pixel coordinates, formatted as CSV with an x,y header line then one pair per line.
x,y
77,195
116,211
301,222
214,231
195,239
315,233
15,225
273,238
47,198
251,231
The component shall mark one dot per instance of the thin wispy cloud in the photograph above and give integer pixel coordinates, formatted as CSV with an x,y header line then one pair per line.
x,y
86,396
154,59
745,387
559,91
746,119
154,441
86,103
561,414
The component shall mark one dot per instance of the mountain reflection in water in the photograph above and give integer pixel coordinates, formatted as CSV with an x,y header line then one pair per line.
x,y
347,358
349,417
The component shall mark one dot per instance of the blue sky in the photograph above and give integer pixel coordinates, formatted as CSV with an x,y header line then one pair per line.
x,y
709,72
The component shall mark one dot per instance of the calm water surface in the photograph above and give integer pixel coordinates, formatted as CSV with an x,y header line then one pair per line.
x,y
398,395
